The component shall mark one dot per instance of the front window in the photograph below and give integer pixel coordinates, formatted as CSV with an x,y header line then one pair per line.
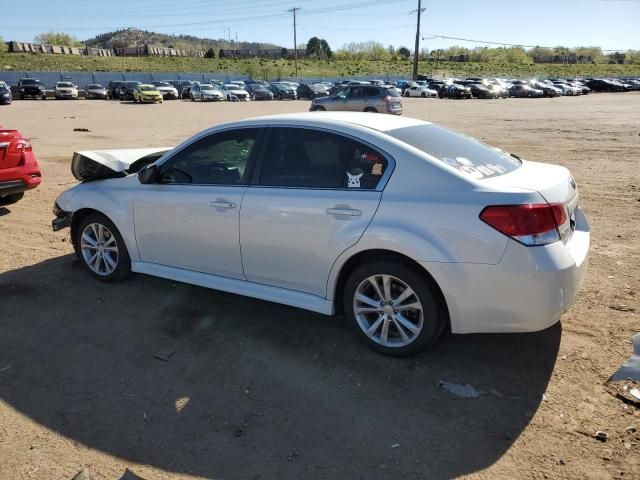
x,y
218,159
65,85
303,158
459,151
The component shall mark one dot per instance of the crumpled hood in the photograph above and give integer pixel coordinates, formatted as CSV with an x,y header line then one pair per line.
x,y
88,165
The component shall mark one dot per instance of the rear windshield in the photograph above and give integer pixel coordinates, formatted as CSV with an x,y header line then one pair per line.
x,y
392,92
29,81
461,152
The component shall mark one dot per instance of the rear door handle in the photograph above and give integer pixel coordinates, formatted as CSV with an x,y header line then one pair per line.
x,y
222,203
344,212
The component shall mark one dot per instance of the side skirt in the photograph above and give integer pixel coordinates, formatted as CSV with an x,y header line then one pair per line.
x,y
241,287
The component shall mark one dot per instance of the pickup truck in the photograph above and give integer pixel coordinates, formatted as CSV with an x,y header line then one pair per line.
x,y
31,87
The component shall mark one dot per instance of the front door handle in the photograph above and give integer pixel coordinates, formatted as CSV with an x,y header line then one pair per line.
x,y
344,211
222,203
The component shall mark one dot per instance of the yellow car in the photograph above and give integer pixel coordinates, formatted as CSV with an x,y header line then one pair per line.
x,y
147,94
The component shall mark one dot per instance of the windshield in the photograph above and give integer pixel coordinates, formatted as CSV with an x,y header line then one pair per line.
x,y
459,151
65,84
206,87
132,84
147,88
94,87
30,81
232,87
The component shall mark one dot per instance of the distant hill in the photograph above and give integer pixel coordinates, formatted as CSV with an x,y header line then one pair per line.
x,y
133,37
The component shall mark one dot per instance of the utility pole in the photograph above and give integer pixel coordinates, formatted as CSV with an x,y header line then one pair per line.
x,y
295,40
416,51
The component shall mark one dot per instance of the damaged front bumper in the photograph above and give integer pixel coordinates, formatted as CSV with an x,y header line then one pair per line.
x,y
62,220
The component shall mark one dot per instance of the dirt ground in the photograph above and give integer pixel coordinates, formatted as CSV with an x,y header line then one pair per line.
x,y
261,391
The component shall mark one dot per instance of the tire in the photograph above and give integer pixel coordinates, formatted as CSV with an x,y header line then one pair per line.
x,y
423,95
320,108
370,110
120,265
421,326
192,98
11,199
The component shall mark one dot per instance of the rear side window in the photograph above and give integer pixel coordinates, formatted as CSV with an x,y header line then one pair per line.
x,y
459,151
304,158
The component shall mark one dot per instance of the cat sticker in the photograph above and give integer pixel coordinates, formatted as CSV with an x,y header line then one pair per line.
x,y
354,180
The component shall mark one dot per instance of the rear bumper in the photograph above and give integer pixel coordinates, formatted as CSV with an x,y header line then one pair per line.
x,y
527,291
12,186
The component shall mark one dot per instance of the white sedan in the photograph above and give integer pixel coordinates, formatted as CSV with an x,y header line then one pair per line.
x,y
420,91
233,93
404,226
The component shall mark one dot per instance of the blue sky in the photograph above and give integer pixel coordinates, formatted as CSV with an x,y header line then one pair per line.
x,y
611,24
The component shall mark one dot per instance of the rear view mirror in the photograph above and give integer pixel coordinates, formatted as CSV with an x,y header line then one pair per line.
x,y
149,174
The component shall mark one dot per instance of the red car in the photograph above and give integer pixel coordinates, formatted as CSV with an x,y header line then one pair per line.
x,y
18,166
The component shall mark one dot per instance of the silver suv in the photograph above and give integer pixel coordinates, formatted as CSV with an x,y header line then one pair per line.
x,y
361,98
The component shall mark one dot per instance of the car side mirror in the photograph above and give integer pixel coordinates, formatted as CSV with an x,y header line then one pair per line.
x,y
149,174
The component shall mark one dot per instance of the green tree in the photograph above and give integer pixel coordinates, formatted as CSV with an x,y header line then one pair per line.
x,y
211,53
404,52
57,38
222,54
318,48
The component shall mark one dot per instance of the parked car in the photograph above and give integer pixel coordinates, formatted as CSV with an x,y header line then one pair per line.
x,y
405,227
525,91
5,94
361,98
19,169
168,91
548,89
65,90
282,91
453,90
239,83
127,89
313,90
259,92
205,93
567,89
233,93
420,91
501,91
145,93
480,90
95,91
113,90
31,87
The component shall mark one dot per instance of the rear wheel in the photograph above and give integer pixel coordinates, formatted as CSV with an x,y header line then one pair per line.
x,y
370,110
101,249
12,198
393,308
423,95
320,108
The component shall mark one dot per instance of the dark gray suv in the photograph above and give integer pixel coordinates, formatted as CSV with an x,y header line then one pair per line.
x,y
361,98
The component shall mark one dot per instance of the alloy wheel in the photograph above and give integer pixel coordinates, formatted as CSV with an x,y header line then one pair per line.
x,y
388,310
99,249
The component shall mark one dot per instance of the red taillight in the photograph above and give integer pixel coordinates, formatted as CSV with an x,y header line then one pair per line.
x,y
19,146
530,224
388,98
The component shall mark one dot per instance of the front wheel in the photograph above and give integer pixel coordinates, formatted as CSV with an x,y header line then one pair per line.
x,y
370,110
393,308
423,95
101,249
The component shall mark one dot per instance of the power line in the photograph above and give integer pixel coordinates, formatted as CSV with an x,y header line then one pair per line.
x,y
257,18
507,44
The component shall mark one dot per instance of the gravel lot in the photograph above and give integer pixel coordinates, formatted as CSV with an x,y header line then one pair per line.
x,y
261,391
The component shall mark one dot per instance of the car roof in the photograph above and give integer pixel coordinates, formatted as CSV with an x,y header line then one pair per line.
x,y
379,122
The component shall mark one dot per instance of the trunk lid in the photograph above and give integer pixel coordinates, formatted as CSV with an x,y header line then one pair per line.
x,y
553,182
88,165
